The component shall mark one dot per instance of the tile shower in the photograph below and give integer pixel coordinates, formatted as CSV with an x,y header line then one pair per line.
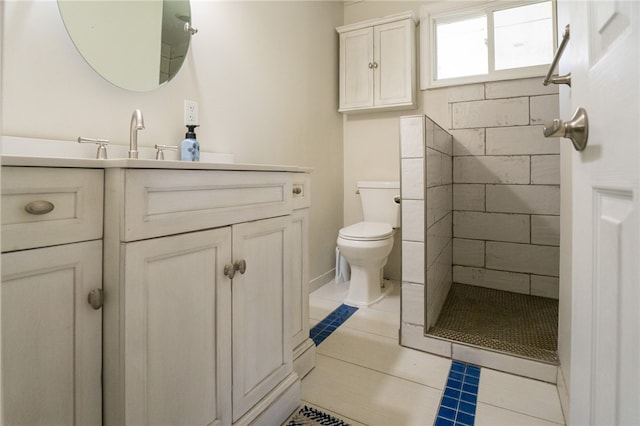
x,y
480,201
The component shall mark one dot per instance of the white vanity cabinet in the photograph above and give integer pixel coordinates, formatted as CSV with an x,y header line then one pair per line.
x,y
198,275
51,261
304,349
377,64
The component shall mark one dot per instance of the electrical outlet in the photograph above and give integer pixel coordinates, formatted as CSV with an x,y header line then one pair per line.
x,y
190,112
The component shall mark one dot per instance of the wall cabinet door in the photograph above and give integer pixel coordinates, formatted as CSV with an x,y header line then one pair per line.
x,y
356,69
262,352
394,51
51,336
177,305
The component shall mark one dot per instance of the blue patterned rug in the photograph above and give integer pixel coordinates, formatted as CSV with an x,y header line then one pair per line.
x,y
308,416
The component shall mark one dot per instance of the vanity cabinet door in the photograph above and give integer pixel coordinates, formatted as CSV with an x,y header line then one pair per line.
x,y
177,340
262,352
51,336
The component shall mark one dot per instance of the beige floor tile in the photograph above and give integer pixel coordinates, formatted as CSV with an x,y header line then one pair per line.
x,y
384,355
319,308
515,393
367,396
331,291
384,323
488,415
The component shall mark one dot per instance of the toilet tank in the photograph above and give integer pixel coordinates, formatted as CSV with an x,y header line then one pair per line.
x,y
378,203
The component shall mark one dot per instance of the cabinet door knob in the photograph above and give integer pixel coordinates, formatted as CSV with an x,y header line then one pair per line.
x,y
375,65
297,190
240,266
370,65
230,271
96,298
39,207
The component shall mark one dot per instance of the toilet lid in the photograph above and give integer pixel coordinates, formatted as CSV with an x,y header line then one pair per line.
x,y
366,231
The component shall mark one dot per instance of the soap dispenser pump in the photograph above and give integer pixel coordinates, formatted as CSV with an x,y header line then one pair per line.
x,y
190,148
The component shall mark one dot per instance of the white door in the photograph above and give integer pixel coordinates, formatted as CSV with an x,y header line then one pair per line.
x,y
177,335
262,352
605,351
51,336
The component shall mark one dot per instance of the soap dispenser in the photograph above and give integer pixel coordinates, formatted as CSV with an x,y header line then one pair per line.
x,y
190,148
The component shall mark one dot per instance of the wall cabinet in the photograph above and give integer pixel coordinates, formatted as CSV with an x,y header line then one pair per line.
x,y
377,64
51,336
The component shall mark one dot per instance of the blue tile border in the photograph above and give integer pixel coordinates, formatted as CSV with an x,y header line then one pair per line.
x,y
328,325
458,403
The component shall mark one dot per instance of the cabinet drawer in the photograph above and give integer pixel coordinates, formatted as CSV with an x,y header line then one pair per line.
x,y
165,202
73,196
301,190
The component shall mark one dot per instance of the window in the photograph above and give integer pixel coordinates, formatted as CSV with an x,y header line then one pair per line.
x,y
493,43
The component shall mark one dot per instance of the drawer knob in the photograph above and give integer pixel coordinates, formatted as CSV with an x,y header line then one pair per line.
x,y
96,298
39,207
297,190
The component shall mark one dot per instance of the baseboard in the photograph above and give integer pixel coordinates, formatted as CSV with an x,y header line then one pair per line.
x,y
321,280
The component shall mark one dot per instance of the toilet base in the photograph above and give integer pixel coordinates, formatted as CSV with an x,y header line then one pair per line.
x,y
357,304
365,288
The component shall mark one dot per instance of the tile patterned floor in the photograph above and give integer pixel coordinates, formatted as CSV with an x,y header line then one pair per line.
x,y
364,377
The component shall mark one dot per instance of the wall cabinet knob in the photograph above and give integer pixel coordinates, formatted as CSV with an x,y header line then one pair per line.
x,y
240,266
96,298
230,271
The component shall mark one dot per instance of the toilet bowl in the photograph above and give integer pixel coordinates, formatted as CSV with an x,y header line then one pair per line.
x,y
366,245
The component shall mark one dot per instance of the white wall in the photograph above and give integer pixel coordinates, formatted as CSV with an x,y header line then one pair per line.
x,y
264,74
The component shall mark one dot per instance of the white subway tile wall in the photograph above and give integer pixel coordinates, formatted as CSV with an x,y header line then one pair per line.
x,y
506,187
480,203
491,113
431,256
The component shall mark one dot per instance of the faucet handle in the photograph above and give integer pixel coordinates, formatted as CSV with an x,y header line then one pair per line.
x,y
161,148
102,146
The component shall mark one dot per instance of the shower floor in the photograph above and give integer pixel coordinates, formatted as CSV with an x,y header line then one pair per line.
x,y
515,323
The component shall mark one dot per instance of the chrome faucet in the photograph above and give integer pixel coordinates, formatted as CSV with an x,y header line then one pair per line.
x,y
137,123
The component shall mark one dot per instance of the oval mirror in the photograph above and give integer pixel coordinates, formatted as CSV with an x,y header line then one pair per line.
x,y
136,45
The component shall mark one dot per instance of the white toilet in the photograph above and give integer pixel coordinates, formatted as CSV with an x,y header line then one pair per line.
x,y
366,245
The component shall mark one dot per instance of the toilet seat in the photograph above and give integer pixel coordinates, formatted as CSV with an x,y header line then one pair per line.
x,y
366,231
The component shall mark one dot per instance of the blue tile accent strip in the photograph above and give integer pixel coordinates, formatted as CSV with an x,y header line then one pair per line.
x,y
458,404
328,325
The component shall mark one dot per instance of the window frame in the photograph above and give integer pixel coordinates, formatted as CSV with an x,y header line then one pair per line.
x,y
429,51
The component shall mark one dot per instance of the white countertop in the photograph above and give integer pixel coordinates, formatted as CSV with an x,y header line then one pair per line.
x,y
32,152
32,161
